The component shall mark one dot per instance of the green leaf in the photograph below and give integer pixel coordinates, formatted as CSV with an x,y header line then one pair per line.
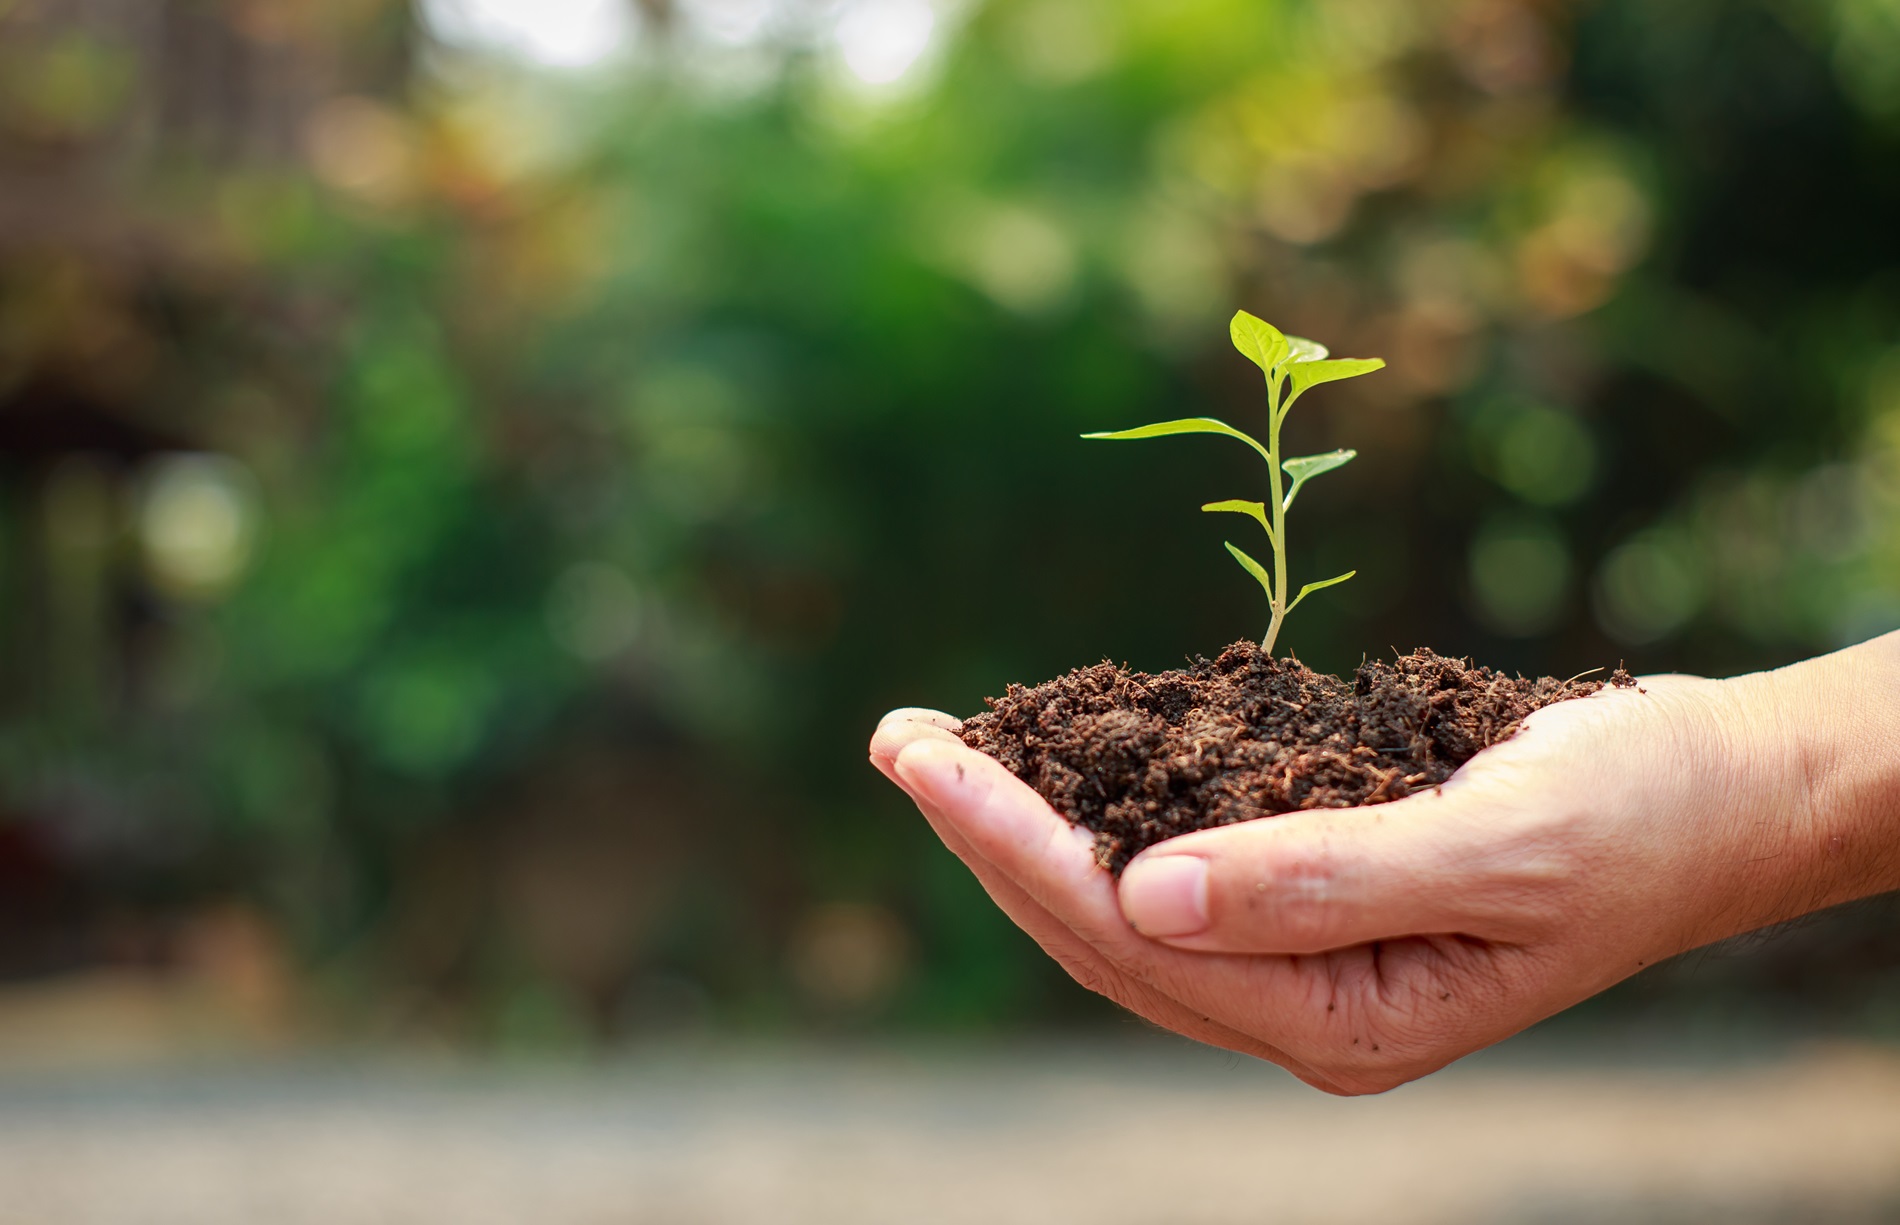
x,y
1257,509
1304,350
1306,467
1187,425
1254,568
1310,588
1311,374
1258,341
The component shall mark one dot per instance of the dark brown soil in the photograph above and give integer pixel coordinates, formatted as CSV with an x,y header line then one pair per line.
x,y
1139,758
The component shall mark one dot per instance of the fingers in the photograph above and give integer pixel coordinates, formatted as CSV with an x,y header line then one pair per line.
x,y
900,727
923,715
1021,848
1009,825
1082,961
937,771
893,736
1311,882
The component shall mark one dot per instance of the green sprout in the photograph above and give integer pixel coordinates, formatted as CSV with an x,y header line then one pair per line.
x,y
1291,365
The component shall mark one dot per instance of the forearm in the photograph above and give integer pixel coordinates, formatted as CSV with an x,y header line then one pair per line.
x,y
1831,727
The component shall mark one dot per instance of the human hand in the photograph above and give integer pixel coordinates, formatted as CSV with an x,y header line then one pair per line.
x,y
1363,948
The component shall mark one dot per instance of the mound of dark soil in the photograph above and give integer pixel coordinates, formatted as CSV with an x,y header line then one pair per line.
x,y
1140,758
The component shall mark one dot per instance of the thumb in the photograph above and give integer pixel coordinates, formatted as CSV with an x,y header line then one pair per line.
x,y
1310,882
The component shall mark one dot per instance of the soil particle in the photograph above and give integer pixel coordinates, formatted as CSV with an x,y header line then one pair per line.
x,y
1139,758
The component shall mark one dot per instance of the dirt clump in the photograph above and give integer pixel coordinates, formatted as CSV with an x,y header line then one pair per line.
x,y
1140,758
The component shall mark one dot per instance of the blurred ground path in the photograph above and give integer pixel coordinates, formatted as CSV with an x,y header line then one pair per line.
x,y
1142,1134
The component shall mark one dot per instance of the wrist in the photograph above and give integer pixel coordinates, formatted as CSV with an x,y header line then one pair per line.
x,y
1826,732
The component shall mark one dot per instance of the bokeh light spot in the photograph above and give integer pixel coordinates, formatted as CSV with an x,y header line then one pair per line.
x,y
1015,254
849,957
1545,456
426,716
732,23
1649,587
881,40
197,524
1520,570
360,147
1061,42
549,33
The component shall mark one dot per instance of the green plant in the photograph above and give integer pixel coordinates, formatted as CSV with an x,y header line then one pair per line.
x,y
1291,366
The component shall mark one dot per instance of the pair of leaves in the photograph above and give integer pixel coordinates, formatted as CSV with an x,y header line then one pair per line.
x,y
1266,582
1302,469
1303,362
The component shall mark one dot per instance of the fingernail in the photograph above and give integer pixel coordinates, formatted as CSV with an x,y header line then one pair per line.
x,y
1166,895
920,714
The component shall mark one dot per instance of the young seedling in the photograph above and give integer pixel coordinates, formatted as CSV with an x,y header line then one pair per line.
x,y
1291,365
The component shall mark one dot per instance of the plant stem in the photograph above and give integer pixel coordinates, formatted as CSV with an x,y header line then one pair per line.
x,y
1276,598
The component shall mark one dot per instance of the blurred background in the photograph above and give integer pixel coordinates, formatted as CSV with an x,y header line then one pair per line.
x,y
473,471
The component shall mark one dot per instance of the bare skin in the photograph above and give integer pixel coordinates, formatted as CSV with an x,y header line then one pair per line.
x,y
1360,949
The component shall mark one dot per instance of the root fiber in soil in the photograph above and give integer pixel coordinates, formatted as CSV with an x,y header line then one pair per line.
x,y
1141,758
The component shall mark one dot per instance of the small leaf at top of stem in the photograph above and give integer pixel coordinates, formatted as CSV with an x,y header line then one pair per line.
x,y
1258,341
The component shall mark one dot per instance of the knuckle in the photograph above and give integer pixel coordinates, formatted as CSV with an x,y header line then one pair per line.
x,y
1307,923
1293,898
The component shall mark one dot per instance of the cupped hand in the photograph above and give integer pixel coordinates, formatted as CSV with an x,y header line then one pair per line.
x,y
1362,948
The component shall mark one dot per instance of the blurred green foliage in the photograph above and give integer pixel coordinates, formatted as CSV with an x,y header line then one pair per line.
x,y
475,507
